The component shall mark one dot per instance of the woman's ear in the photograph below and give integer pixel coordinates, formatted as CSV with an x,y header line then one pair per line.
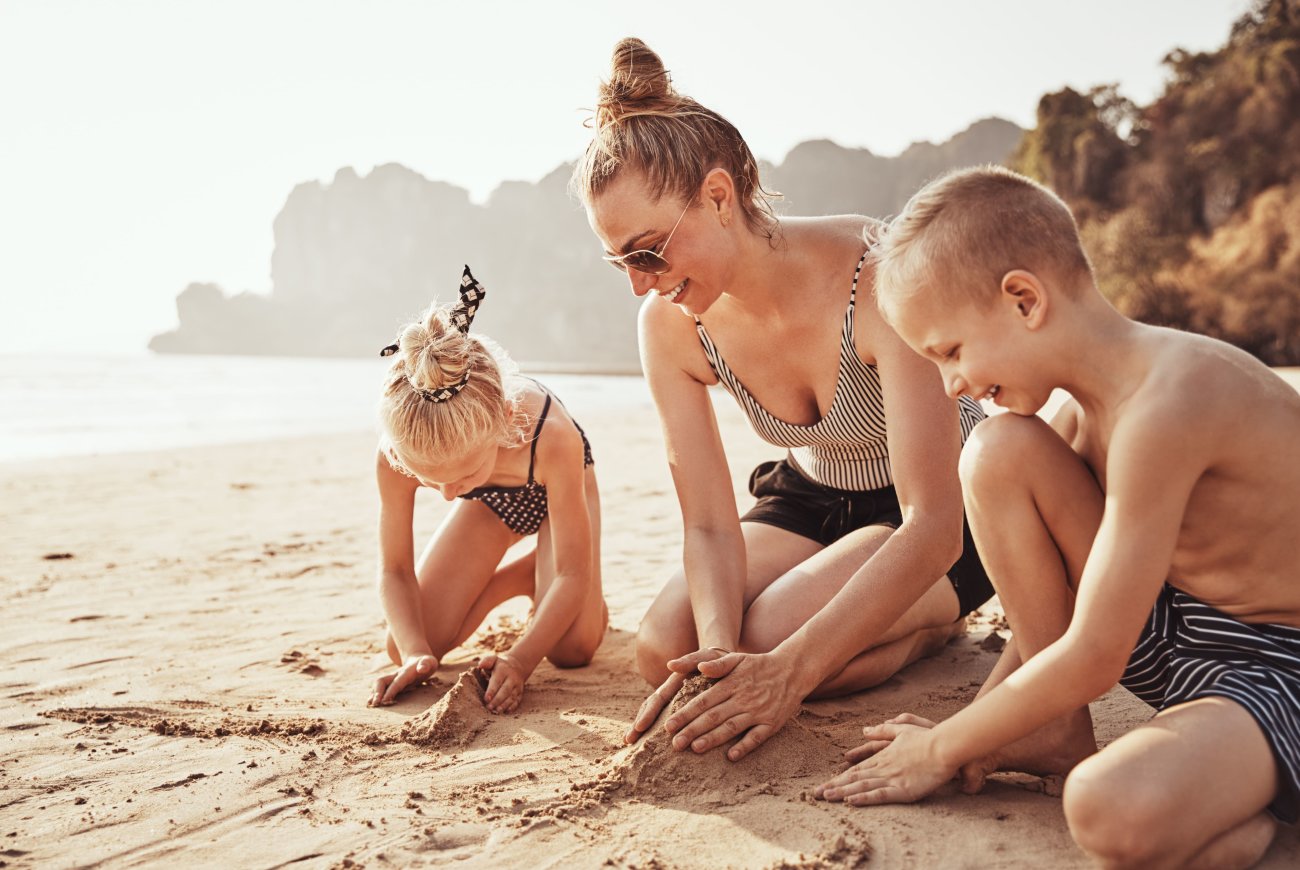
x,y
1026,297
718,191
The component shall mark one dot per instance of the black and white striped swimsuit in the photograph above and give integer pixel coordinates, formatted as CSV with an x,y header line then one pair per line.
x,y
846,449
1190,650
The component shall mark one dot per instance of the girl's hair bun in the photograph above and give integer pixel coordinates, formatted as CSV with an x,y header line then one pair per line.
x,y
435,353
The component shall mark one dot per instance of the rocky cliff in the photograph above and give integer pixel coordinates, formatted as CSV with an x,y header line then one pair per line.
x,y
358,256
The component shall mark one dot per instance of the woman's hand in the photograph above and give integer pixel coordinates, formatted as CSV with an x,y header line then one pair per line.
x,y
414,670
506,680
756,694
660,698
900,766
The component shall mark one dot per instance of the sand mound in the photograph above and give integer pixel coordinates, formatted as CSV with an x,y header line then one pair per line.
x,y
457,718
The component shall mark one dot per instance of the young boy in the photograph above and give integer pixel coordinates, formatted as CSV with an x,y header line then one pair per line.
x,y
1149,535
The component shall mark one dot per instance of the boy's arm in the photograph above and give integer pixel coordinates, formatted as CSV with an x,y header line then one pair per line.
x,y
561,470
1154,461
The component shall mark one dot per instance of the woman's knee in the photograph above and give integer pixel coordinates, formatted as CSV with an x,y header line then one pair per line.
x,y
665,633
1115,815
999,450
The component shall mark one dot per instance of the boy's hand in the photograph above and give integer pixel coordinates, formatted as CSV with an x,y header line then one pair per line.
x,y
414,670
880,736
506,681
756,694
972,773
902,770
660,698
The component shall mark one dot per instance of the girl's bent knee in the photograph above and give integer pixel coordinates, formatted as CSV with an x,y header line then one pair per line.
x,y
575,658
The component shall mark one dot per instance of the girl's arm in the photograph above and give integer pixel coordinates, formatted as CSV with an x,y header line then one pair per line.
x,y
399,591
560,468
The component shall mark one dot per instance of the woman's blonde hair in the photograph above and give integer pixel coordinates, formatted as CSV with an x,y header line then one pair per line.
x,y
432,354
642,122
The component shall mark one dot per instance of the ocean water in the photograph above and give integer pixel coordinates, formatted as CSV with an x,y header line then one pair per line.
x,y
56,405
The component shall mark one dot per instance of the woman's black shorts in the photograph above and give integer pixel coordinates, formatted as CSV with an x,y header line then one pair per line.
x,y
790,501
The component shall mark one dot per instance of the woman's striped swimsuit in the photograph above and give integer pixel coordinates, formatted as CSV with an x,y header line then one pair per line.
x,y
847,448
836,477
1189,650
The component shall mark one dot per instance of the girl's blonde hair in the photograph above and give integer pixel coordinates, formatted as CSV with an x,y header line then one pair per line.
x,y
642,122
431,354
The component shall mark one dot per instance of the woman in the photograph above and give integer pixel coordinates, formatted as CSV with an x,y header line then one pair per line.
x,y
853,562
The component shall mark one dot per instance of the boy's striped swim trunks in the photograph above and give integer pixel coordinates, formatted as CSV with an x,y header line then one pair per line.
x,y
1189,650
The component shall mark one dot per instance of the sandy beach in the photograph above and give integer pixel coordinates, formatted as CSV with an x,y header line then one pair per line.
x,y
190,637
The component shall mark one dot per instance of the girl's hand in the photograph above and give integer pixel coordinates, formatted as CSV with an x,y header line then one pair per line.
x,y
414,670
505,684
902,769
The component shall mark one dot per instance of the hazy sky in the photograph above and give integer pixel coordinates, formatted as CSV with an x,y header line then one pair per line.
x,y
144,145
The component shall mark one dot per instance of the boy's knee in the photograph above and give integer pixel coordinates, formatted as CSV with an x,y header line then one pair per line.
x,y
1113,816
997,448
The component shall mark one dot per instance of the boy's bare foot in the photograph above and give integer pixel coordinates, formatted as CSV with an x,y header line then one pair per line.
x,y
1053,749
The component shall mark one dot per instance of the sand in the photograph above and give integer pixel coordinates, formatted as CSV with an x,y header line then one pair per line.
x,y
189,641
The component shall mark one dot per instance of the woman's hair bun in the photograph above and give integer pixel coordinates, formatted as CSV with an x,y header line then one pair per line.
x,y
637,81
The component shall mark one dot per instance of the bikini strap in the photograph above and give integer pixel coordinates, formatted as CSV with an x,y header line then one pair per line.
x,y
532,450
862,261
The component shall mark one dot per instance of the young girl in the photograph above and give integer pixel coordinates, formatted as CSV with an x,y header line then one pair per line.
x,y
456,417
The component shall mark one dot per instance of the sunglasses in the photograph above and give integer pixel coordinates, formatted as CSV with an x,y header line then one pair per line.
x,y
647,261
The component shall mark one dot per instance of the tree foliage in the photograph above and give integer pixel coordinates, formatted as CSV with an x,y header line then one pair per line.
x,y
1190,207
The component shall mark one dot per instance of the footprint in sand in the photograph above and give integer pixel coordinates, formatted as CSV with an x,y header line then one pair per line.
x,y
300,662
457,718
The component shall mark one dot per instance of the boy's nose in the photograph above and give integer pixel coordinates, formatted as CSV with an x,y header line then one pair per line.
x,y
956,385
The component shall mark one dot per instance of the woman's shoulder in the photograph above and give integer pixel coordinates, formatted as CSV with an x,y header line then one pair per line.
x,y
833,233
669,339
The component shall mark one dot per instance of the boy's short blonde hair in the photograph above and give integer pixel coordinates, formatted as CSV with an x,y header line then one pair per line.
x,y
962,232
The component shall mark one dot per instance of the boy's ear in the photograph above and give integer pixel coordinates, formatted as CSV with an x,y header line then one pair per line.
x,y
718,190
1025,295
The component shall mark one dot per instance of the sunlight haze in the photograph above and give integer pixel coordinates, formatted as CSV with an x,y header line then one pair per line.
x,y
146,145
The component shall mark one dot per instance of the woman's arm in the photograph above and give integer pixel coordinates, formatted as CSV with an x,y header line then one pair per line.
x,y
713,550
924,444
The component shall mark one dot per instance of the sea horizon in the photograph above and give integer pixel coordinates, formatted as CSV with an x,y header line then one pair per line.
x,y
57,405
